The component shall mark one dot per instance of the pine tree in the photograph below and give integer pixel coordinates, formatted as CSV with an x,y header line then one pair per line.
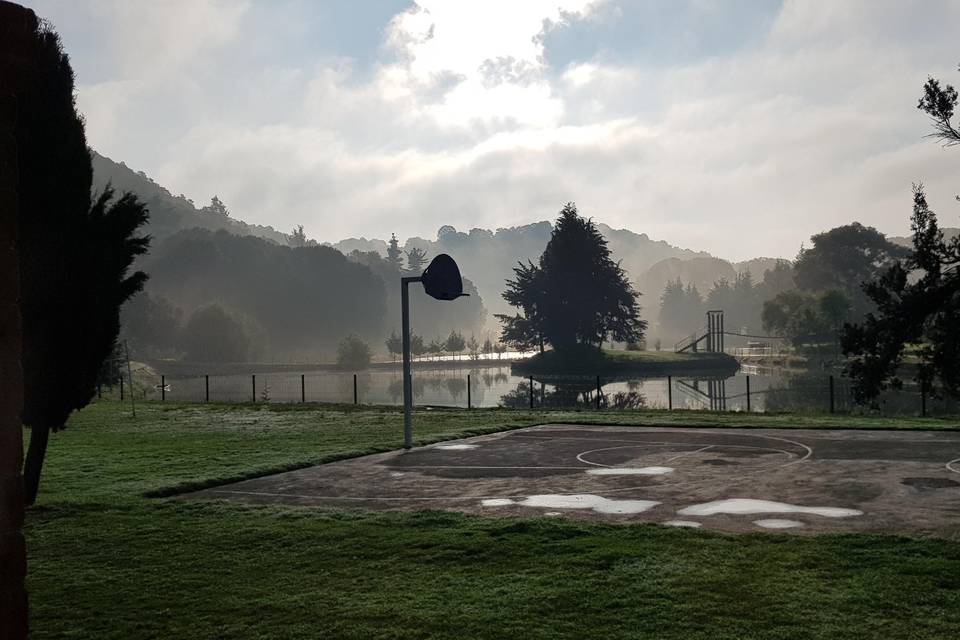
x,y
75,255
394,253
576,294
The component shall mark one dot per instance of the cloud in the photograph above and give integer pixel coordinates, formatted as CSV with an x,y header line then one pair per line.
x,y
737,132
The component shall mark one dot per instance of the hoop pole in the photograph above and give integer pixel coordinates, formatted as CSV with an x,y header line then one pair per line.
x,y
407,381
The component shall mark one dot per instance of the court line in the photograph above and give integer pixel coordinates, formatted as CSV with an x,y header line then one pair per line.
x,y
690,453
606,491
465,466
950,465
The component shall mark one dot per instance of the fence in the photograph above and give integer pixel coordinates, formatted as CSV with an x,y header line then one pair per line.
x,y
488,388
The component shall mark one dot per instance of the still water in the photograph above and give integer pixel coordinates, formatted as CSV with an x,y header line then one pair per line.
x,y
497,386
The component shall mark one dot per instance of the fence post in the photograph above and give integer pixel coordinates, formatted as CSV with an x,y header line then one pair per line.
x,y
748,394
468,392
354,388
670,393
121,388
206,391
163,388
598,392
832,406
923,399
99,392
253,386
303,388
531,392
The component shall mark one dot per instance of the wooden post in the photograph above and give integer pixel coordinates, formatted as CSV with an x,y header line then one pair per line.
x,y
99,392
923,399
468,392
121,388
303,388
598,392
531,392
206,395
831,395
253,387
354,388
670,393
163,388
748,394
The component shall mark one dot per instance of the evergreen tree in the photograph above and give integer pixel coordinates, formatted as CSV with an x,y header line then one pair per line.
x,y
922,313
216,208
74,256
925,311
394,253
576,294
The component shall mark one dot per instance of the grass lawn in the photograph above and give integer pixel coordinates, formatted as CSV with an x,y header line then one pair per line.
x,y
108,562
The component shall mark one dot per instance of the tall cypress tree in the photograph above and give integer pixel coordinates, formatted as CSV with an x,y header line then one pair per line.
x,y
74,255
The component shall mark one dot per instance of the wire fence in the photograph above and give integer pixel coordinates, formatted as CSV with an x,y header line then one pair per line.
x,y
804,393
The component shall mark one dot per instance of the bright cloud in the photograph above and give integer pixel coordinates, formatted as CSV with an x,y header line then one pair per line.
x,y
738,133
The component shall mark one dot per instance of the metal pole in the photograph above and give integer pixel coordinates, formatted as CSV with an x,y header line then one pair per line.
x,y
206,385
354,388
253,387
709,331
163,388
598,392
133,400
748,394
468,392
670,393
831,395
407,382
303,388
531,392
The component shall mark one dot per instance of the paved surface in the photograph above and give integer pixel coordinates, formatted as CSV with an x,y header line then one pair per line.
x,y
728,479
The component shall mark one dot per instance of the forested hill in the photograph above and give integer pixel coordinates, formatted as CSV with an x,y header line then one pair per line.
x,y
169,213
488,257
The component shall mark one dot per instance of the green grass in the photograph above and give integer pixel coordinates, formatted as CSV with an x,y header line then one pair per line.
x,y
107,562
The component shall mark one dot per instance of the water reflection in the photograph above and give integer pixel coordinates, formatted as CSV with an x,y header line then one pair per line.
x,y
493,386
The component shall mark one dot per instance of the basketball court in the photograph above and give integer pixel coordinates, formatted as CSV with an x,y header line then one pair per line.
x,y
725,479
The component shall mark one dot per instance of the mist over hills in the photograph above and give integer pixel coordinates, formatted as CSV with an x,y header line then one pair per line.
x,y
281,287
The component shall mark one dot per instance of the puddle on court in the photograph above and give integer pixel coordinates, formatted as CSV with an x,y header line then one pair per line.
x,y
496,502
744,506
630,471
576,501
683,523
455,447
777,523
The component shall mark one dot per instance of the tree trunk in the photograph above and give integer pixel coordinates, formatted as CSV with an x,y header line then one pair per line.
x,y
16,60
36,452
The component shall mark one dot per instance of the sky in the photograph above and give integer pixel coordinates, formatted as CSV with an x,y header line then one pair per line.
x,y
739,127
